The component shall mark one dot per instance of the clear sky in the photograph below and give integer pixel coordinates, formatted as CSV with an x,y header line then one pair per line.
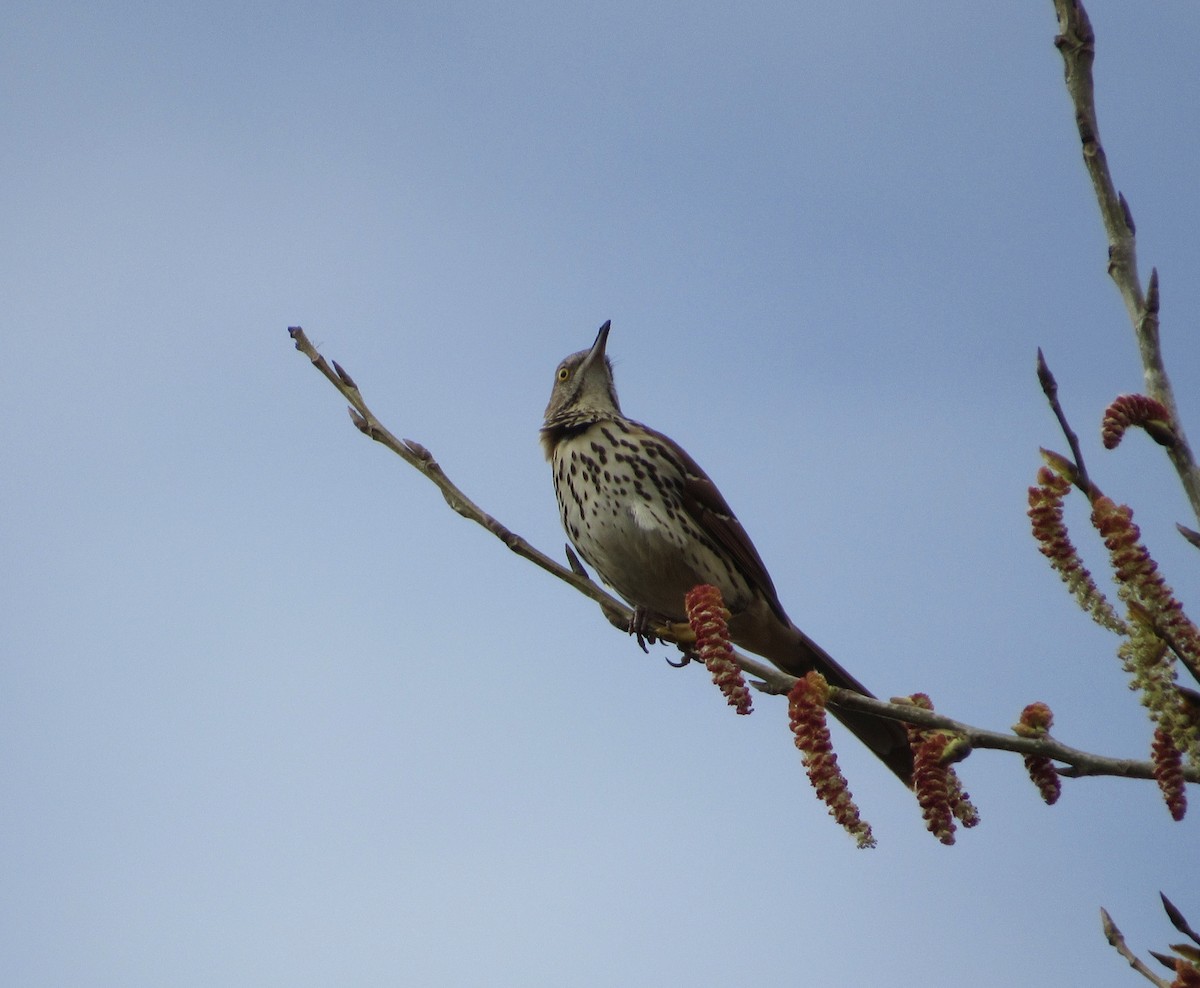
x,y
270,714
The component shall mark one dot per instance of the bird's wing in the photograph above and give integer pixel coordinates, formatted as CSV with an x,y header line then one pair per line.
x,y
708,508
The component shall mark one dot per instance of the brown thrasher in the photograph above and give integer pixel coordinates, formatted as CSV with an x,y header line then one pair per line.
x,y
652,524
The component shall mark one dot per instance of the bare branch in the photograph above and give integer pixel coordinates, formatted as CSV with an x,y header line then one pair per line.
x,y
416,455
1077,44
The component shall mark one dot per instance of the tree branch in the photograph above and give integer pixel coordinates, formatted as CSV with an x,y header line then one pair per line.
x,y
416,455
770,679
1077,44
1080,763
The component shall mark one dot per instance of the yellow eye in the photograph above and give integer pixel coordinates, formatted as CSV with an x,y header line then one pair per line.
x,y
563,373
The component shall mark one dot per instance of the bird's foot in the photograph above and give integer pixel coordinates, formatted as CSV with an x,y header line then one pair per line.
x,y
639,625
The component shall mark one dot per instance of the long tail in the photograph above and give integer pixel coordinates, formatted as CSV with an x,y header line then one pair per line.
x,y
886,738
795,653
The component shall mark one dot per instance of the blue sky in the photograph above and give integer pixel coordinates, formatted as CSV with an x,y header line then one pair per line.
x,y
270,714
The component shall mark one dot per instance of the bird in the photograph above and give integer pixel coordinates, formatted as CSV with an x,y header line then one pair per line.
x,y
653,525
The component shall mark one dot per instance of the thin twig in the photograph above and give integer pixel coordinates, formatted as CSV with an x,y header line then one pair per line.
x,y
416,455
1117,939
770,679
1050,389
1077,43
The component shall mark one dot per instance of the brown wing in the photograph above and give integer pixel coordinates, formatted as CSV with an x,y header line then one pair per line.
x,y
704,502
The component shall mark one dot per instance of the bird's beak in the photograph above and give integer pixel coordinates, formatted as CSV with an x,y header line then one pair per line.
x,y
596,353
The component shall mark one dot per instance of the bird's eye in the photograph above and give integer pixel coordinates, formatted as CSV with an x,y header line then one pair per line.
x,y
563,373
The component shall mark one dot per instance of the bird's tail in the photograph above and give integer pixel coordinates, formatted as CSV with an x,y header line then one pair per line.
x,y
887,738
795,653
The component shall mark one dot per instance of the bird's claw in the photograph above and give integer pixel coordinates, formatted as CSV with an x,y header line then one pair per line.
x,y
685,658
639,625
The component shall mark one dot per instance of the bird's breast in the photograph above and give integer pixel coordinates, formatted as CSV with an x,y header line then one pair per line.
x,y
622,509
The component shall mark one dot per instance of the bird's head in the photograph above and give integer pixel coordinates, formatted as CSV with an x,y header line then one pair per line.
x,y
583,388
